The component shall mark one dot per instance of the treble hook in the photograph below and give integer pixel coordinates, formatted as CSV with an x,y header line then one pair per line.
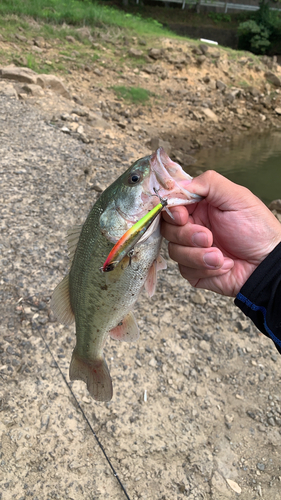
x,y
164,202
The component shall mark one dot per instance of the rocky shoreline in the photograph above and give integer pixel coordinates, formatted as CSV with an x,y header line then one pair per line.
x,y
196,411
203,95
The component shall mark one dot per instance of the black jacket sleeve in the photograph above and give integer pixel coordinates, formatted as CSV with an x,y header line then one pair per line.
x,y
260,297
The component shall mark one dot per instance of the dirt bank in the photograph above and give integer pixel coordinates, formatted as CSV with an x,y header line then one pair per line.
x,y
209,425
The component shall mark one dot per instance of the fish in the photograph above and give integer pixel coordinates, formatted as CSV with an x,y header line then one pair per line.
x,y
125,245
101,303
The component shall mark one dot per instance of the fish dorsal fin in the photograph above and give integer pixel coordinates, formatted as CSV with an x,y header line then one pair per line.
x,y
60,303
151,280
73,235
127,330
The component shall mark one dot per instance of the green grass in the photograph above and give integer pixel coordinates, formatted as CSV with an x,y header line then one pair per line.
x,y
135,95
79,13
243,84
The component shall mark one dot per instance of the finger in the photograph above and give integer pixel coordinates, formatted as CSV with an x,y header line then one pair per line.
x,y
179,213
221,192
196,275
196,258
190,235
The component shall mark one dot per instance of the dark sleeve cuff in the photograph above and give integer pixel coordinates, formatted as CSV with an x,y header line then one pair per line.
x,y
260,297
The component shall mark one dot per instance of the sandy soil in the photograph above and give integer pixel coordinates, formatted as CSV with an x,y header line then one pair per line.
x,y
196,411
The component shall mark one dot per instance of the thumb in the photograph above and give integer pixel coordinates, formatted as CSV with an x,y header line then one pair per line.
x,y
219,191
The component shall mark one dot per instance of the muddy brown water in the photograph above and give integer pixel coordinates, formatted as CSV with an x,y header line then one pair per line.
x,y
254,162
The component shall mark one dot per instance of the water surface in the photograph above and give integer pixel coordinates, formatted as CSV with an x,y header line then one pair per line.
x,y
254,162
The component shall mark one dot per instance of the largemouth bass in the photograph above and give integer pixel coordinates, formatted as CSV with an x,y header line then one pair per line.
x,y
101,303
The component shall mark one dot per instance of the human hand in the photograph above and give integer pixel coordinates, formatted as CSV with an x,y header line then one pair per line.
x,y
220,241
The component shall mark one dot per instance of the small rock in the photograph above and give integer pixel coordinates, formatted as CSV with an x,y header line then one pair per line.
x,y
97,187
200,59
198,298
65,130
234,486
254,91
21,38
278,111
80,129
155,53
84,33
204,48
261,466
70,39
153,362
32,89
275,204
215,54
39,42
272,78
34,48
97,71
210,114
122,125
243,325
54,83
220,85
204,346
135,52
24,75
8,90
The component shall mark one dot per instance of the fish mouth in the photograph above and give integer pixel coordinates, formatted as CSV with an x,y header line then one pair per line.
x,y
169,181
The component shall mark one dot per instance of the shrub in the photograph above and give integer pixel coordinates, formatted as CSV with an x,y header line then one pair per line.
x,y
261,30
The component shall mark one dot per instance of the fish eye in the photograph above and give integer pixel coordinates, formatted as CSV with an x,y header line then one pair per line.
x,y
134,178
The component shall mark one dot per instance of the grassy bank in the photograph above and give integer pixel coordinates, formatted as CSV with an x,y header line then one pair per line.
x,y
79,13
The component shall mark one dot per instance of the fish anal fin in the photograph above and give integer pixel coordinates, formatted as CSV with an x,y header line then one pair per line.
x,y
73,235
151,279
95,374
60,303
127,330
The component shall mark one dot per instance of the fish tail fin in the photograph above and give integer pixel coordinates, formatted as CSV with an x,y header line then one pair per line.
x,y
95,374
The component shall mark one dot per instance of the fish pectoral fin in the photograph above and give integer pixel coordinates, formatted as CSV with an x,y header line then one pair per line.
x,y
151,279
160,263
95,374
60,303
73,235
150,230
127,330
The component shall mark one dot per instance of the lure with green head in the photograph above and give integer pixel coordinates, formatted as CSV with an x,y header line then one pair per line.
x,y
131,237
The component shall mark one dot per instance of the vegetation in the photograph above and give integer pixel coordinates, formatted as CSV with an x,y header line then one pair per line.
x,y
136,95
261,31
80,13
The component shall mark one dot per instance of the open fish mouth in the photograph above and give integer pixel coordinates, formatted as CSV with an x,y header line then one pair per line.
x,y
169,181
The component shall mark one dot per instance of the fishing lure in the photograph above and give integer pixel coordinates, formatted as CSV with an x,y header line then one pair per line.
x,y
125,245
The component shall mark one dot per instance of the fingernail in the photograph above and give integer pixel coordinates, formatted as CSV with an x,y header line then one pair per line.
x,y
212,259
200,239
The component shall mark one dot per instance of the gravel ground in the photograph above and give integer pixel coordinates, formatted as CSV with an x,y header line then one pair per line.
x,y
209,425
